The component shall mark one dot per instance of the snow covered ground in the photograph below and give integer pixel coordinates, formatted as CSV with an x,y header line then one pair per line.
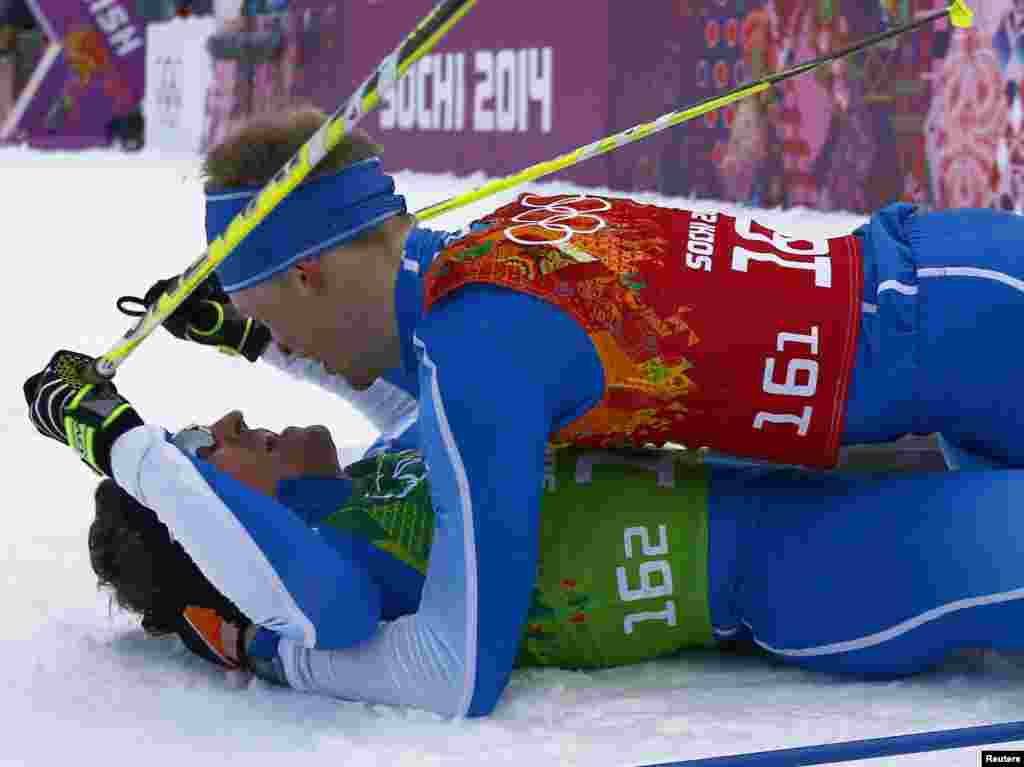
x,y
80,683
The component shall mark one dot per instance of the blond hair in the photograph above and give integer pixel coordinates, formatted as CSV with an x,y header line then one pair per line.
x,y
259,149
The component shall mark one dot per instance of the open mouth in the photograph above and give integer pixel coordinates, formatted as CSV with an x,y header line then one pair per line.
x,y
270,440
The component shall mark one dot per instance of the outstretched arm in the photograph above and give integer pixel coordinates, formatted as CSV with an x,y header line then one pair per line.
x,y
258,553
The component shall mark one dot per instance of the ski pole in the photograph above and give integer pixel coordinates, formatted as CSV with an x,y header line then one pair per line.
x,y
869,748
424,38
959,13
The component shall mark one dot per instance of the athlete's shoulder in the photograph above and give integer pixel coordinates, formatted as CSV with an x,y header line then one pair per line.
x,y
552,221
422,246
404,437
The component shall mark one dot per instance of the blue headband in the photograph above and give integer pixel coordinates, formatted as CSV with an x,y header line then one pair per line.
x,y
316,216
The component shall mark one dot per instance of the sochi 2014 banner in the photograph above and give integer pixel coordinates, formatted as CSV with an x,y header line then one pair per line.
x,y
513,84
933,117
93,70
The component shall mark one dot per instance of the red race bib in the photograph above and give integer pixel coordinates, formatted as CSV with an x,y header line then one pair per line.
x,y
712,331
779,336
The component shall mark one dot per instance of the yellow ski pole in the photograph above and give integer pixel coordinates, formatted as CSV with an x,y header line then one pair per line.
x,y
419,42
959,14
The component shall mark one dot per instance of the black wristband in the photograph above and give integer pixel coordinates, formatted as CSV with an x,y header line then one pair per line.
x,y
257,342
104,439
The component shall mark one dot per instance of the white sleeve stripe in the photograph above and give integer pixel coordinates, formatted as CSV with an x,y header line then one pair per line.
x,y
899,287
896,631
159,476
945,271
971,271
44,419
469,534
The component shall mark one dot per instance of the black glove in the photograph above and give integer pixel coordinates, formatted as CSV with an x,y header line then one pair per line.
x,y
207,317
87,417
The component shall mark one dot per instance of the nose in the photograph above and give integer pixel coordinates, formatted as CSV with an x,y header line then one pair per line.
x,y
229,427
285,344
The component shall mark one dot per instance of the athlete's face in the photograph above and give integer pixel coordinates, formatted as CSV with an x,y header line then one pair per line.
x,y
260,459
338,308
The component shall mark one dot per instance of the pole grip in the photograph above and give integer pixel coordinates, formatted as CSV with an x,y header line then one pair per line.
x,y
961,15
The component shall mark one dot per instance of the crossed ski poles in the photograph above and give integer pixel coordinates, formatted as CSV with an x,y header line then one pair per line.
x,y
424,38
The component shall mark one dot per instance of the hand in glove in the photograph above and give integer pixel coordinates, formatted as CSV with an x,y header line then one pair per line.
x,y
234,644
87,417
207,317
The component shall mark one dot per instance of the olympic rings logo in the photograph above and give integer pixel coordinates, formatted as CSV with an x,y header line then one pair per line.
x,y
558,212
168,90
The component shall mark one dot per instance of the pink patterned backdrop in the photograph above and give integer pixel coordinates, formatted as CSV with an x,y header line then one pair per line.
x,y
934,117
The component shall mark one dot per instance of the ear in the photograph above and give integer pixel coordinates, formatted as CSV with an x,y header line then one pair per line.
x,y
310,275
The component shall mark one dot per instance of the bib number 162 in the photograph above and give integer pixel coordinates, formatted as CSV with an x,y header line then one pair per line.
x,y
650,588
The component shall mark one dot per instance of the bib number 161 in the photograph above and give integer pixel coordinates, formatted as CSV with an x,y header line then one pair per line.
x,y
801,381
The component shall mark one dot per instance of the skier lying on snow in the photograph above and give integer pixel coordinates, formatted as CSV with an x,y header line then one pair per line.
x,y
594,322
641,555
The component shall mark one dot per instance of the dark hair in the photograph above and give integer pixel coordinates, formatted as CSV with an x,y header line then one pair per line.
x,y
132,553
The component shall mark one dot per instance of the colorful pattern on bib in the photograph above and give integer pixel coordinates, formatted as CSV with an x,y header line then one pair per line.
x,y
390,506
712,331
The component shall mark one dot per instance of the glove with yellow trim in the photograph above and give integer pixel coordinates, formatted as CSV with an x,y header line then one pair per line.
x,y
207,317
87,417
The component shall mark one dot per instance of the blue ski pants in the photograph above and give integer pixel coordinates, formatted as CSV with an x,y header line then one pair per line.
x,y
939,349
877,576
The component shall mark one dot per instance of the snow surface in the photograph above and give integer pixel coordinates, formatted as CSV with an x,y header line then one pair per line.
x,y
81,683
